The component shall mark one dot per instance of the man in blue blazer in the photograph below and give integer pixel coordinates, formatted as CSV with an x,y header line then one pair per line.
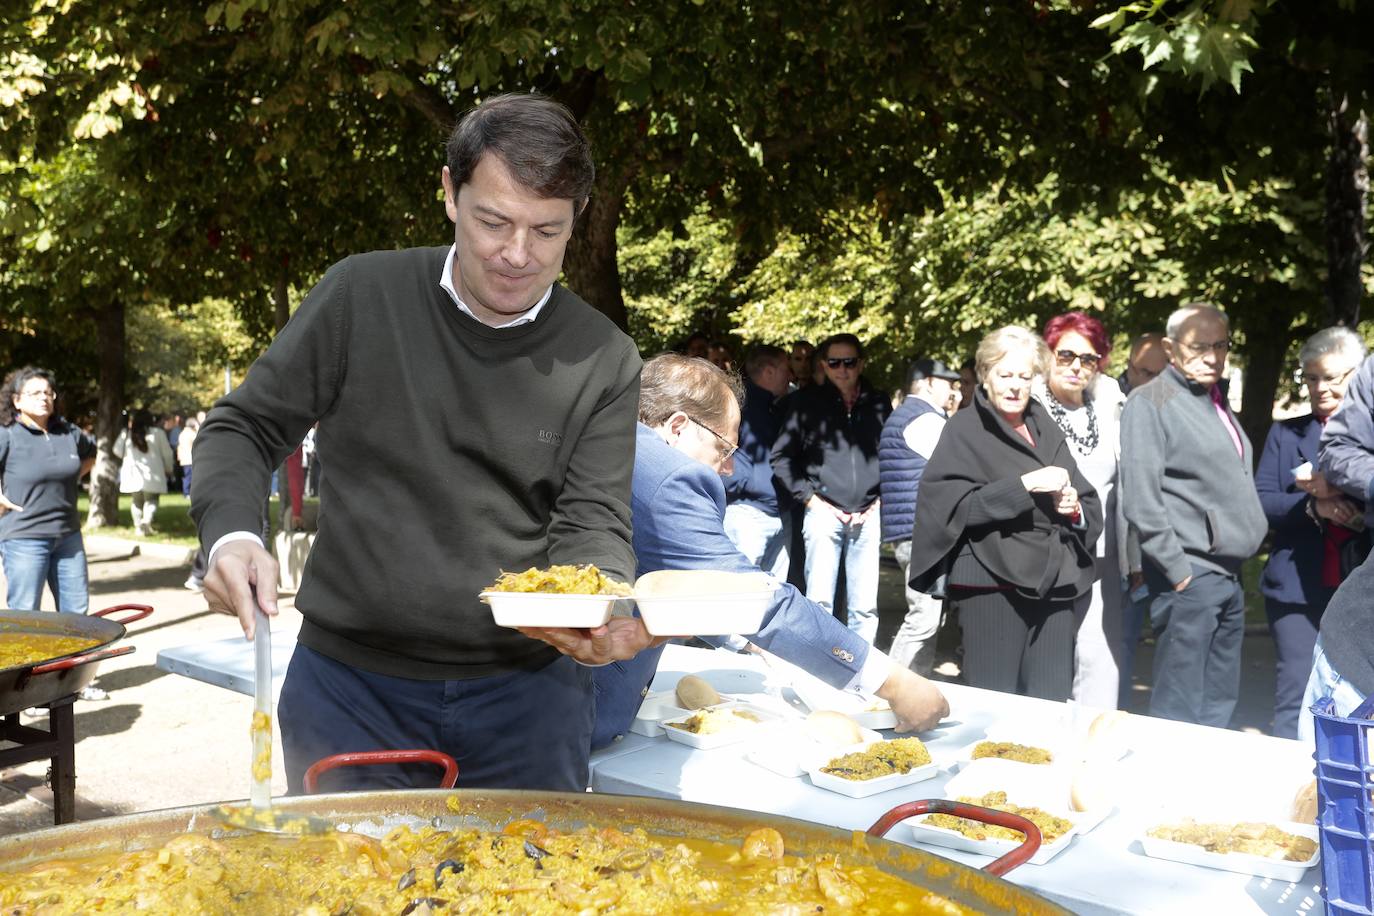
x,y
689,418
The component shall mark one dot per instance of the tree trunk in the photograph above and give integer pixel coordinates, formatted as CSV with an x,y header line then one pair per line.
x,y
104,511
591,265
1347,187
1265,348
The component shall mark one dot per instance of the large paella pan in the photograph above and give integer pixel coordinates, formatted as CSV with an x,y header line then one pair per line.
x,y
436,852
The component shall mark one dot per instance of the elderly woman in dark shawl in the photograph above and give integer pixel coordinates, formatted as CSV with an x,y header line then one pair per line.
x,y
1006,520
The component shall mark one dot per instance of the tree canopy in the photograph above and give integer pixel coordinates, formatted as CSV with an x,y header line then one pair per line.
x,y
915,172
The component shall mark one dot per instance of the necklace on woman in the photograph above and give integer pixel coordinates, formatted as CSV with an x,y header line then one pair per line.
x,y
1084,443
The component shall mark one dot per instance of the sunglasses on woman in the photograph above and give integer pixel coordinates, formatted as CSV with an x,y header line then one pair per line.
x,y
1087,360
849,362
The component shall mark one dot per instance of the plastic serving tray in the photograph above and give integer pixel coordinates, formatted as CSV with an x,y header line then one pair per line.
x,y
1278,869
656,707
733,606
863,788
537,609
789,751
1045,787
729,736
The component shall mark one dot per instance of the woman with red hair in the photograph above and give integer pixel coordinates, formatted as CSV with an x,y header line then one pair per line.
x,y
1086,403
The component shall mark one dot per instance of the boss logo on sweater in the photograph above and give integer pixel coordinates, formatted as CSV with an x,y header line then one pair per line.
x,y
550,437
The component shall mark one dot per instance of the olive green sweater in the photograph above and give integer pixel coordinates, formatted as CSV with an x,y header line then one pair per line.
x,y
451,451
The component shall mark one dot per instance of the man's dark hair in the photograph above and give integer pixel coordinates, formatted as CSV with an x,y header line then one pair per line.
x,y
537,138
803,342
823,351
761,357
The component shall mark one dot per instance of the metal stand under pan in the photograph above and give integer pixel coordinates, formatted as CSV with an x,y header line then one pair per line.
x,y
57,745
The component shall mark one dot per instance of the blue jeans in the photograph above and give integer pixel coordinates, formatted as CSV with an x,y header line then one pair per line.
x,y
830,542
59,561
761,537
523,730
1325,681
914,645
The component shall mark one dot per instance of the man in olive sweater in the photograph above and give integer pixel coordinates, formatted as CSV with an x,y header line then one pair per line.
x,y
481,418
1188,491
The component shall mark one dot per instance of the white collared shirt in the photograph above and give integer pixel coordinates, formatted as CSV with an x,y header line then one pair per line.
x,y
446,281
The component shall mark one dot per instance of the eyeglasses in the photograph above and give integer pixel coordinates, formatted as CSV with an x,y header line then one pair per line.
x,y
726,448
44,394
1066,358
1330,381
849,362
1220,347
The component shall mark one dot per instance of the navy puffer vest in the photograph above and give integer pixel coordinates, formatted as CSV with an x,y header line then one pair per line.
x,y
900,470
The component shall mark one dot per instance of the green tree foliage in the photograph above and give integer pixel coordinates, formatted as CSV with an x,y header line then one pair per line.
x,y
176,360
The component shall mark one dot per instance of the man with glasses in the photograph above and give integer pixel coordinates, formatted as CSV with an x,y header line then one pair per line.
x,y
688,412
827,457
1188,491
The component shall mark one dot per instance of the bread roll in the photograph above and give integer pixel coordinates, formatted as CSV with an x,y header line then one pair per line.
x,y
1305,804
833,728
1089,790
695,693
1106,724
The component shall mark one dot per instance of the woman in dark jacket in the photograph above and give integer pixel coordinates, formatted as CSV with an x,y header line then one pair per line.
x,y
1006,519
1311,521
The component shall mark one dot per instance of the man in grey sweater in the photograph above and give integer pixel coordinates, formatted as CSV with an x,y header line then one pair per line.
x,y
1188,491
482,418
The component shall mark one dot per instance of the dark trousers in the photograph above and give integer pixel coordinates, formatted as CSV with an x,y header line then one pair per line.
x,y
1015,644
527,730
1294,628
1198,636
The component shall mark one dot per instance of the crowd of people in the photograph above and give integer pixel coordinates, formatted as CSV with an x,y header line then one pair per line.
x,y
478,416
1052,509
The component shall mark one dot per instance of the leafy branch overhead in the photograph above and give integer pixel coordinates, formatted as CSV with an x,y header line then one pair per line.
x,y
1209,41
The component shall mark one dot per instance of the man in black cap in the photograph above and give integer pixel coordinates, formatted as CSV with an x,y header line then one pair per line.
x,y
908,440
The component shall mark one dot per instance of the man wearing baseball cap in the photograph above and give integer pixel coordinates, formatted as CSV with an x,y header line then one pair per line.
x,y
908,440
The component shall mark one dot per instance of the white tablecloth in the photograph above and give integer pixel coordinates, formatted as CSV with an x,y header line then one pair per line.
x,y
1102,872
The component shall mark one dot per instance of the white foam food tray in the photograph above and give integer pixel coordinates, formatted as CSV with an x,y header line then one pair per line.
x,y
540,609
678,602
790,749
964,756
863,788
656,707
1046,788
742,732
1067,740
1241,863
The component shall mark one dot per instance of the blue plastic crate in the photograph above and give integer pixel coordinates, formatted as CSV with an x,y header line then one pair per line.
x,y
1345,818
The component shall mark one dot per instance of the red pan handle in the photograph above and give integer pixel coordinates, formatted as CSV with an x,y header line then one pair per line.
x,y
369,758
78,660
143,610
1018,856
